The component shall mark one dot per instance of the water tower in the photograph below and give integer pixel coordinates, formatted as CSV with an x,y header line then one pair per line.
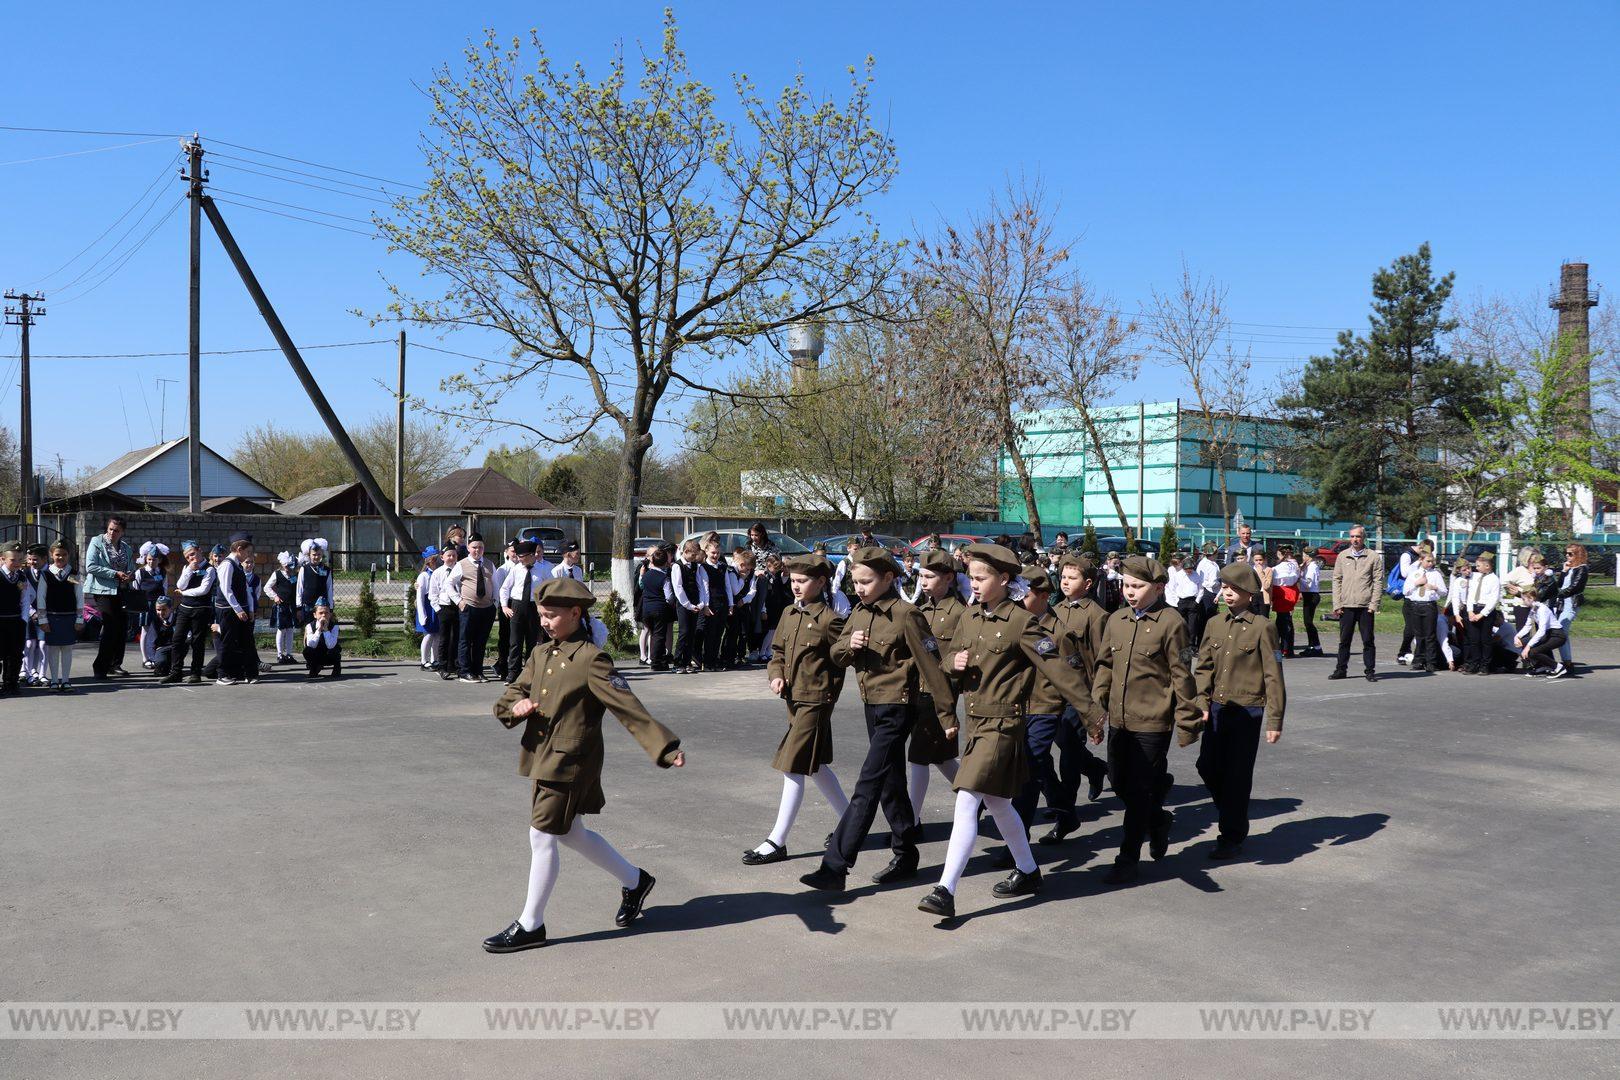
x,y
805,344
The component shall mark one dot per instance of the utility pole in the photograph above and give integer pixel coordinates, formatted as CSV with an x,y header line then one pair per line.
x,y
399,445
195,178
23,315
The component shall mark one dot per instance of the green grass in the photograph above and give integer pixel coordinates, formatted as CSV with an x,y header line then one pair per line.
x,y
1599,615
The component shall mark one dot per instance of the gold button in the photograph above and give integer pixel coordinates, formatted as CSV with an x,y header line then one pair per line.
x,y
543,693
548,671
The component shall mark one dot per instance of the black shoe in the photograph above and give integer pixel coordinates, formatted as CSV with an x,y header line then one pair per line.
x,y
1121,873
777,853
1226,849
939,902
515,939
1372,676
1096,780
1065,824
632,899
169,680
1159,835
1003,860
825,878
1019,883
900,868
1339,675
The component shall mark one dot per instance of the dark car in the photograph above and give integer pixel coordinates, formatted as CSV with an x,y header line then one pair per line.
x,y
551,537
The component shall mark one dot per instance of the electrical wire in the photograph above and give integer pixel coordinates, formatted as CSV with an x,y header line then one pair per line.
x,y
217,156
77,131
305,183
123,262
80,153
161,176
151,204
318,165
289,206
205,352
296,217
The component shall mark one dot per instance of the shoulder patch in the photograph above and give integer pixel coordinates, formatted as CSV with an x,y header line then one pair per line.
x,y
1046,646
1074,661
618,682
931,643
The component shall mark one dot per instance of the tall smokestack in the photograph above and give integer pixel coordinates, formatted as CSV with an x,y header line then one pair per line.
x,y
1573,298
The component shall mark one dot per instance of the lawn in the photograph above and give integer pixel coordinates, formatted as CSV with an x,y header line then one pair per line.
x,y
1599,616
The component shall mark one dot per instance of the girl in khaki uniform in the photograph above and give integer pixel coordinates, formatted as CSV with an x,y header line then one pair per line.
x,y
996,650
942,606
565,687
802,672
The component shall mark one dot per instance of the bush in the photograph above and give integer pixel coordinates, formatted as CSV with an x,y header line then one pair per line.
x,y
1167,541
1133,546
1088,540
621,631
365,613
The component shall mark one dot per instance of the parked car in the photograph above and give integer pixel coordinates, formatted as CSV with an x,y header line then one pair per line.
x,y
550,536
950,541
838,544
644,544
732,538
1329,553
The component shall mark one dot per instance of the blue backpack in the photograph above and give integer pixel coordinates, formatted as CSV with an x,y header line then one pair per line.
x,y
1394,585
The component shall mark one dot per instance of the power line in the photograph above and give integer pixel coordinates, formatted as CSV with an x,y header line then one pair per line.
x,y
76,131
130,254
207,352
80,153
306,183
297,172
295,217
151,204
318,165
290,206
162,174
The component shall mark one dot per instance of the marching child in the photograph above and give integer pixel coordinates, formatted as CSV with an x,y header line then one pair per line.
x,y
1084,617
928,748
559,698
1143,688
61,599
16,613
803,674
281,590
151,581
1240,684
321,648
424,613
999,646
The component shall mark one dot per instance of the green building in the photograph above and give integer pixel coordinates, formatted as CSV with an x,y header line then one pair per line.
x,y
1156,453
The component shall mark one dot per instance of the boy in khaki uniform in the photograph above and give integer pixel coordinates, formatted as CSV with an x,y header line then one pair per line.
x,y
1043,719
942,606
803,674
1143,688
1077,578
565,687
1239,680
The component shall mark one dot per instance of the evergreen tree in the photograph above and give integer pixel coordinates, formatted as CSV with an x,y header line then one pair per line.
x,y
1088,540
365,613
1167,540
1369,419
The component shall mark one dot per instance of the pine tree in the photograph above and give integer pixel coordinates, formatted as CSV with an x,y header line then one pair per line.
x,y
621,631
1167,540
1088,540
365,613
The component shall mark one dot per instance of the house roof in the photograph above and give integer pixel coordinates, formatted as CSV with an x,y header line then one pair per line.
x,y
234,504
475,491
309,500
122,467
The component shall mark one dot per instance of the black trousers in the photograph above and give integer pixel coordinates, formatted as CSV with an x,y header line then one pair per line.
x,y
1424,618
1350,619
114,629
882,783
738,626
1076,761
520,634
1042,731
1311,600
318,656
1285,632
1479,642
1136,768
503,644
1226,756
12,633
449,636
687,649
474,633
237,658
712,629
191,634
1544,655
1192,613
657,624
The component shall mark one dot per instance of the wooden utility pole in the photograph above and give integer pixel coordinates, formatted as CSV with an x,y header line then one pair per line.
x,y
195,178
23,315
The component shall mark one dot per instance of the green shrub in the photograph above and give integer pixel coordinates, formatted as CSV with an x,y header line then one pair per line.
x,y
365,613
1167,541
1088,540
621,631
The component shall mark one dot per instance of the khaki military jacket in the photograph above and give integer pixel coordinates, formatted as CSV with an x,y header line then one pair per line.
x,y
943,617
1085,617
1237,664
801,654
1006,645
1142,682
900,660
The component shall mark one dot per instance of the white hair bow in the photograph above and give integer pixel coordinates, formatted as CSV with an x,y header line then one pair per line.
x,y
286,559
152,547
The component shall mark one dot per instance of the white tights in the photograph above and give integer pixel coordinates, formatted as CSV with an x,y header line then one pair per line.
x,y
430,648
60,660
793,798
965,830
34,657
918,775
544,859
284,642
644,642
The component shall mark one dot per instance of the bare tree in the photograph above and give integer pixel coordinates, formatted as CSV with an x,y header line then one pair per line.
x,y
1091,352
995,281
1190,329
624,234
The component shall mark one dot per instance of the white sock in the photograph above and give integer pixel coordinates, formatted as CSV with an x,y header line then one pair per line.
x,y
917,787
284,642
964,831
53,661
1011,827
148,644
792,799
831,789
34,657
543,863
595,848
644,640
430,644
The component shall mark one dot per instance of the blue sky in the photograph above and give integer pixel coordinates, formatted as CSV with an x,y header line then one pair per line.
x,y
1286,149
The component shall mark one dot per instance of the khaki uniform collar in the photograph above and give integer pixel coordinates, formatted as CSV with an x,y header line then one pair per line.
x,y
1000,612
882,604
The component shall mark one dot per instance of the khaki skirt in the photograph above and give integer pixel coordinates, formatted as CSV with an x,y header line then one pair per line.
x,y
807,743
928,744
553,805
995,760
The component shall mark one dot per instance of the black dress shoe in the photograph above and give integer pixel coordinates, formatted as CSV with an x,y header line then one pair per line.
x,y
939,902
632,899
1065,824
1339,675
515,939
1121,873
1096,779
1226,849
752,857
1159,835
1372,676
1002,860
825,878
827,843
900,868
1019,883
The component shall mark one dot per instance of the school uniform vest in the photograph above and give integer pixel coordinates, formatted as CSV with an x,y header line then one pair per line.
x,y
719,596
314,583
150,585
284,587
653,603
189,577
239,589
11,596
471,573
689,582
60,595
218,592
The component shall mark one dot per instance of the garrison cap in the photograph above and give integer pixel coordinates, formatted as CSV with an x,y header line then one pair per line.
x,y
814,565
523,547
939,561
1145,568
999,557
1037,578
39,549
878,558
563,592
14,547
240,538
1241,576
1083,563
